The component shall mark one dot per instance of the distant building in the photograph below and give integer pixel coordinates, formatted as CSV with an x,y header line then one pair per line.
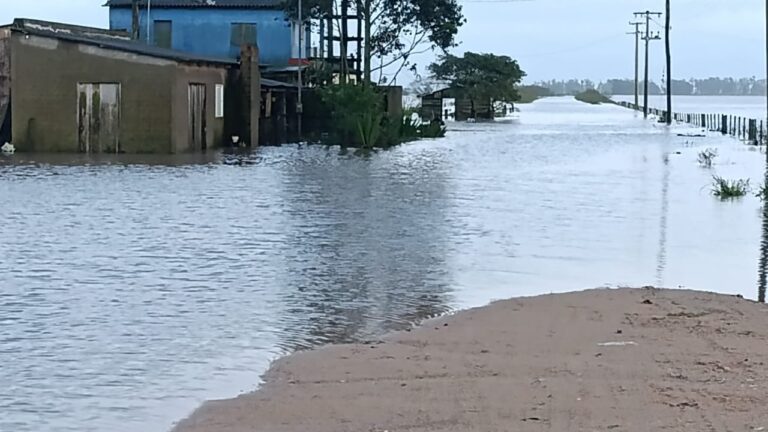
x,y
213,27
89,90
433,107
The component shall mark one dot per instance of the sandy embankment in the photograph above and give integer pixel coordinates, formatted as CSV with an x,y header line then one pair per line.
x,y
674,360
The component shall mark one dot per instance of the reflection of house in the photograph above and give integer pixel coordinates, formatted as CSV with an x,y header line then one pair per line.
x,y
81,89
432,106
212,27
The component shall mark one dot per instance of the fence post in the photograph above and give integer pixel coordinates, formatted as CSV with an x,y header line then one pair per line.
x,y
724,125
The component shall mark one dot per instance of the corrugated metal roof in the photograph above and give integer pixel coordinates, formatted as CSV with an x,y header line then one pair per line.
x,y
276,84
110,40
246,4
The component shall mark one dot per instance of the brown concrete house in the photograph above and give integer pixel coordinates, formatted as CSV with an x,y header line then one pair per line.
x,y
81,89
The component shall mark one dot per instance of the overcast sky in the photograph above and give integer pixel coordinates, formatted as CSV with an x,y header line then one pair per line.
x,y
558,38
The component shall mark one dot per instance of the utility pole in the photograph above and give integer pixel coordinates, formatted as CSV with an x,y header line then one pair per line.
x,y
300,84
367,47
149,21
135,20
637,34
648,37
669,65
344,41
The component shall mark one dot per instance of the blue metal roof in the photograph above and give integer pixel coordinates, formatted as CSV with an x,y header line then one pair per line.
x,y
244,4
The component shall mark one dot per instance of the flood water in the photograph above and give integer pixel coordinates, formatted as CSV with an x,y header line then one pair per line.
x,y
133,289
741,106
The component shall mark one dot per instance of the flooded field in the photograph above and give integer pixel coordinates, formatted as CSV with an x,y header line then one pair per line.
x,y
740,106
133,289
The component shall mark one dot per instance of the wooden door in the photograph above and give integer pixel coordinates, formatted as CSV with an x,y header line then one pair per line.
x,y
197,116
98,117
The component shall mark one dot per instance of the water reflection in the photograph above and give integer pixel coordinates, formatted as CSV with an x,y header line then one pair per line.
x,y
367,241
763,264
661,258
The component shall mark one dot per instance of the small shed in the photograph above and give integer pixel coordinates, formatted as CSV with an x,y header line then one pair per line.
x,y
432,106
83,89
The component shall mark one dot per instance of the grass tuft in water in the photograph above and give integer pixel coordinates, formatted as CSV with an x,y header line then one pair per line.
x,y
762,192
728,189
707,157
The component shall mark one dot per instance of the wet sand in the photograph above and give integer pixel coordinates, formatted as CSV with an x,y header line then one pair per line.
x,y
600,360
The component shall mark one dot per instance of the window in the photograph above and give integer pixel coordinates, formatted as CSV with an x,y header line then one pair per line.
x,y
163,34
243,34
219,100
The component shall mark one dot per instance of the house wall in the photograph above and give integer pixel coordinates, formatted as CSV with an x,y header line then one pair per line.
x,y
47,71
207,31
186,75
5,70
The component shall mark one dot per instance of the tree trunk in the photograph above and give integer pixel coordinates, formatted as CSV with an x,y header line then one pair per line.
x,y
344,41
329,37
367,55
359,55
135,19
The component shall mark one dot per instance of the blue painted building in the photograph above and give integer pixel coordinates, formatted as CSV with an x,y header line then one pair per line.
x,y
212,27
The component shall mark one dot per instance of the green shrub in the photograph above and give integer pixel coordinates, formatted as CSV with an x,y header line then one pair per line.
x,y
355,110
359,119
432,130
531,93
593,97
727,189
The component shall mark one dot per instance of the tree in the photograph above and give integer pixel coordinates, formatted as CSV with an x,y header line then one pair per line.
x,y
394,30
482,78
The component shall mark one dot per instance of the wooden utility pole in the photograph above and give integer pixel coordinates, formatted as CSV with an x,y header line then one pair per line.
x,y
329,37
367,54
648,37
637,34
669,65
359,23
344,66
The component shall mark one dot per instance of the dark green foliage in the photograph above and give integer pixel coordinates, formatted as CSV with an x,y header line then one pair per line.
x,y
399,28
532,93
318,74
483,78
728,189
359,120
762,192
593,97
399,22
356,112
432,130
